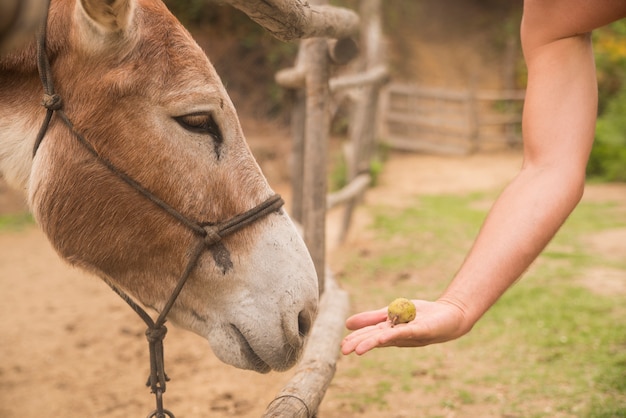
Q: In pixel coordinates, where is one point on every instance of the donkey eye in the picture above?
(201, 123)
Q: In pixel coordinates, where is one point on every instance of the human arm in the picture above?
(558, 128)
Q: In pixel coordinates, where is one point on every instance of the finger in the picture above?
(370, 333)
(384, 335)
(413, 334)
(353, 339)
(360, 344)
(401, 335)
(377, 337)
(365, 319)
(367, 345)
(361, 333)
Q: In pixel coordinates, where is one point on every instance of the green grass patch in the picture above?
(16, 221)
(551, 346)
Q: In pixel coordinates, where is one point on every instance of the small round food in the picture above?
(401, 311)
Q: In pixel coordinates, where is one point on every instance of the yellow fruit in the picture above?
(401, 311)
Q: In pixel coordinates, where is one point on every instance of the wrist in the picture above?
(462, 311)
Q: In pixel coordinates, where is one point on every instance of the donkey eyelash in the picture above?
(202, 123)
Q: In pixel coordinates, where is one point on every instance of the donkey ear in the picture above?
(108, 16)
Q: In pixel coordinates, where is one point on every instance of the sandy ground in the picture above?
(69, 347)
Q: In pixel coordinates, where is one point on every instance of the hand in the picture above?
(435, 322)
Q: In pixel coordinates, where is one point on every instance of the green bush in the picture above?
(608, 156)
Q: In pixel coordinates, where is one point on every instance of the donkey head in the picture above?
(139, 89)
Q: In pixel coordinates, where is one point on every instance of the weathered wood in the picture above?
(450, 124)
(376, 76)
(288, 20)
(298, 120)
(315, 59)
(473, 117)
(291, 78)
(495, 95)
(496, 119)
(453, 94)
(362, 128)
(424, 91)
(509, 76)
(302, 395)
(417, 145)
(449, 121)
(352, 190)
(342, 51)
(294, 78)
(297, 124)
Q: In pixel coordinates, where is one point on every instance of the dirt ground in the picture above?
(69, 347)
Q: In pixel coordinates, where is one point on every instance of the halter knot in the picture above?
(52, 101)
(212, 235)
(155, 335)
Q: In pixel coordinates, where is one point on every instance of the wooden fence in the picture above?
(312, 88)
(446, 121)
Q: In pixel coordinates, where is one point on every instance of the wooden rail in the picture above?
(290, 20)
(352, 190)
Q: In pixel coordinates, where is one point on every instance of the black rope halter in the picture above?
(208, 234)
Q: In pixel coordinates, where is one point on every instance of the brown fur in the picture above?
(91, 217)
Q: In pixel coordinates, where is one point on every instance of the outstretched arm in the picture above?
(558, 128)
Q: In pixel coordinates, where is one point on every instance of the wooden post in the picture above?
(316, 64)
(473, 118)
(301, 396)
(363, 134)
(510, 57)
(294, 80)
(363, 123)
(298, 118)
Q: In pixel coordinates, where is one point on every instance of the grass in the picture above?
(551, 347)
(16, 221)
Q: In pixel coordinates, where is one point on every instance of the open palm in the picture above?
(435, 322)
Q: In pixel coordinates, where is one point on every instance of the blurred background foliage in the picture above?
(608, 157)
(247, 57)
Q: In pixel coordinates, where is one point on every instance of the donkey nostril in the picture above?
(304, 322)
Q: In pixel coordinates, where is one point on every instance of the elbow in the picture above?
(578, 188)
(563, 182)
(574, 193)
(573, 180)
